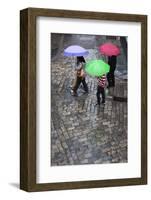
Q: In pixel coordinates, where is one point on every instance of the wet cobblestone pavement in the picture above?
(81, 132)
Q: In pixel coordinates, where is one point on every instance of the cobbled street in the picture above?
(81, 132)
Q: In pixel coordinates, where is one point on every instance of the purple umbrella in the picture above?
(75, 50)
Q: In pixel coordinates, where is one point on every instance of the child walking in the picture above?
(80, 76)
(100, 89)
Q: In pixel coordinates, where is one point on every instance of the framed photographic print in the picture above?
(83, 99)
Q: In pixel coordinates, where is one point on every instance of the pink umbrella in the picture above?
(109, 49)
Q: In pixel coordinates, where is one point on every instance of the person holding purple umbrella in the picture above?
(79, 52)
(80, 76)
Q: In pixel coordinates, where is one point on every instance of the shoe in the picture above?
(103, 102)
(73, 93)
(97, 104)
(71, 87)
(85, 92)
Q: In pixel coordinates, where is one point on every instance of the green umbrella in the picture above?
(97, 68)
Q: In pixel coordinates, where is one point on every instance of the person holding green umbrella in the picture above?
(98, 69)
(100, 89)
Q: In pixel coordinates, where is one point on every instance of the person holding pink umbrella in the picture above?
(110, 75)
(112, 51)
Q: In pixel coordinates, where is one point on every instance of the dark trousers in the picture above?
(78, 82)
(111, 79)
(100, 90)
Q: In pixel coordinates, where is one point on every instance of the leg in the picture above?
(108, 76)
(112, 76)
(113, 80)
(109, 79)
(98, 95)
(74, 83)
(103, 94)
(77, 84)
(85, 85)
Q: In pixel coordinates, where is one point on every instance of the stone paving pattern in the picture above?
(81, 132)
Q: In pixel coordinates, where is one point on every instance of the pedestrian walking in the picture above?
(110, 75)
(80, 76)
(101, 89)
